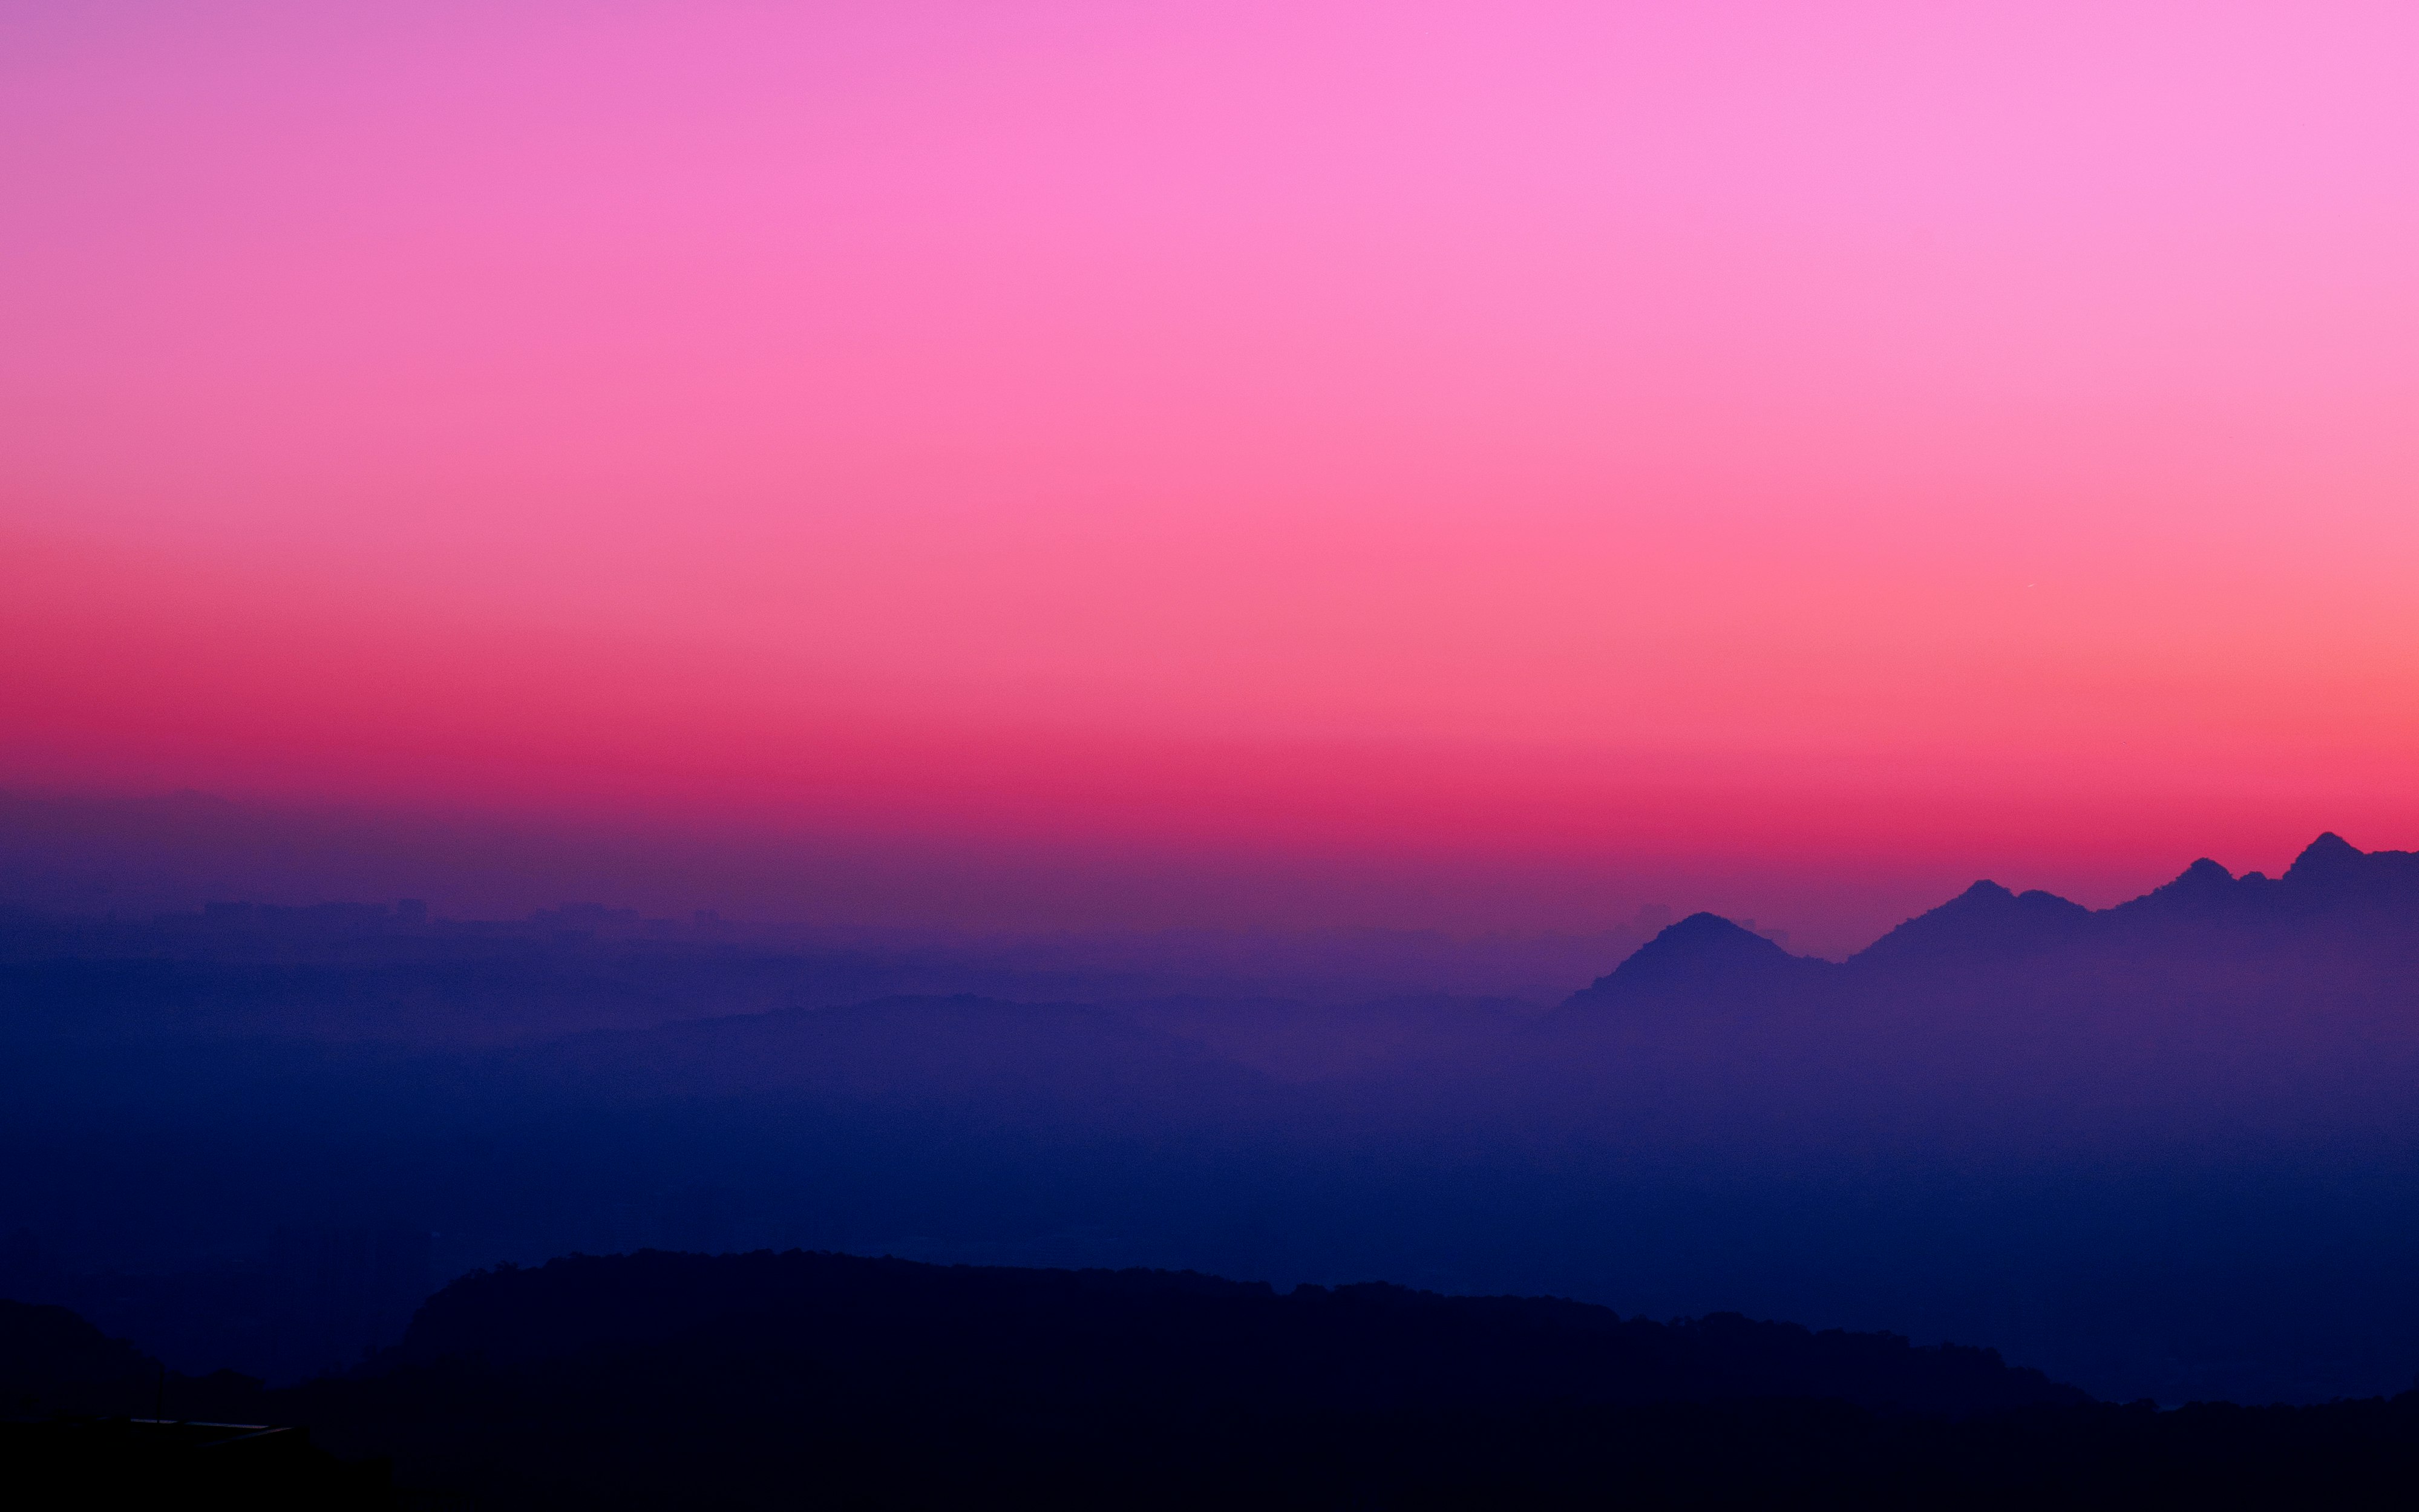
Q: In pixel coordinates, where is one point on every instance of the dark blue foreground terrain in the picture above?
(812, 1380)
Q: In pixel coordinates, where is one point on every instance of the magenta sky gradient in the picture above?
(1858, 440)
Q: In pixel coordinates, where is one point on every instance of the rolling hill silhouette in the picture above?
(1181, 1339)
(764, 1380)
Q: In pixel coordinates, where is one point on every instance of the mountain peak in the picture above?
(1705, 926)
(2326, 858)
(2331, 870)
(1702, 953)
(2203, 882)
(1986, 920)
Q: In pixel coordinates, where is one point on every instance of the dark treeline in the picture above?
(760, 1381)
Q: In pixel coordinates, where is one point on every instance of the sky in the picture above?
(1506, 463)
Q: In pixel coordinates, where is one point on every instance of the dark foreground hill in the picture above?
(812, 1380)
(80, 1428)
(1177, 1342)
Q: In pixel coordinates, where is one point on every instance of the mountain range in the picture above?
(2166, 1149)
(2338, 916)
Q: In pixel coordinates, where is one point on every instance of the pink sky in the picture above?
(1782, 458)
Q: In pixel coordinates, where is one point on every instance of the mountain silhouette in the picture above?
(2163, 1148)
(1703, 957)
(2337, 914)
(2203, 889)
(2332, 872)
(1986, 924)
(2330, 875)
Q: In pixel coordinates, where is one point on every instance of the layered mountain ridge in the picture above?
(2331, 890)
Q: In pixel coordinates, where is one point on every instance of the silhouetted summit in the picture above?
(2331, 880)
(2330, 873)
(2336, 913)
(2329, 860)
(1703, 955)
(2332, 869)
(2201, 888)
(1985, 924)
